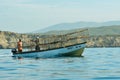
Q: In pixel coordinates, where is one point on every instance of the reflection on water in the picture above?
(97, 63)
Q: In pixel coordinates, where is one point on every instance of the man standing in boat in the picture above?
(19, 45)
(37, 47)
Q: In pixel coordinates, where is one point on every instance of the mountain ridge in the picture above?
(77, 25)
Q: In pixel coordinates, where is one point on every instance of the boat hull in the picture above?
(72, 51)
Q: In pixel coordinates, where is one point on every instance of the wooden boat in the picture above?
(72, 49)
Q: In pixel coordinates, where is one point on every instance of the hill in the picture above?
(93, 31)
(105, 30)
(9, 39)
(77, 25)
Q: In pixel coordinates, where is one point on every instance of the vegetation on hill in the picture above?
(104, 41)
(94, 31)
(105, 30)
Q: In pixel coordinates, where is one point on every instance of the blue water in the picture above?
(97, 63)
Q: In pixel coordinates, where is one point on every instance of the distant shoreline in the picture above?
(8, 40)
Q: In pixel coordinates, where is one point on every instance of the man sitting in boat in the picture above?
(37, 47)
(19, 45)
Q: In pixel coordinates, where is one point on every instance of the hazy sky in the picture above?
(30, 15)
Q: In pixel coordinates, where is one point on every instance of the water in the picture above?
(97, 63)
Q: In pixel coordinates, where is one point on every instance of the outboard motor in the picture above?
(14, 50)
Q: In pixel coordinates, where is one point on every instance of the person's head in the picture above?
(20, 40)
(37, 37)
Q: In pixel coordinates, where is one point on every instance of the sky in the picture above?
(30, 15)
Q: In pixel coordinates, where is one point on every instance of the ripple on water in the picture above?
(97, 63)
(107, 78)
